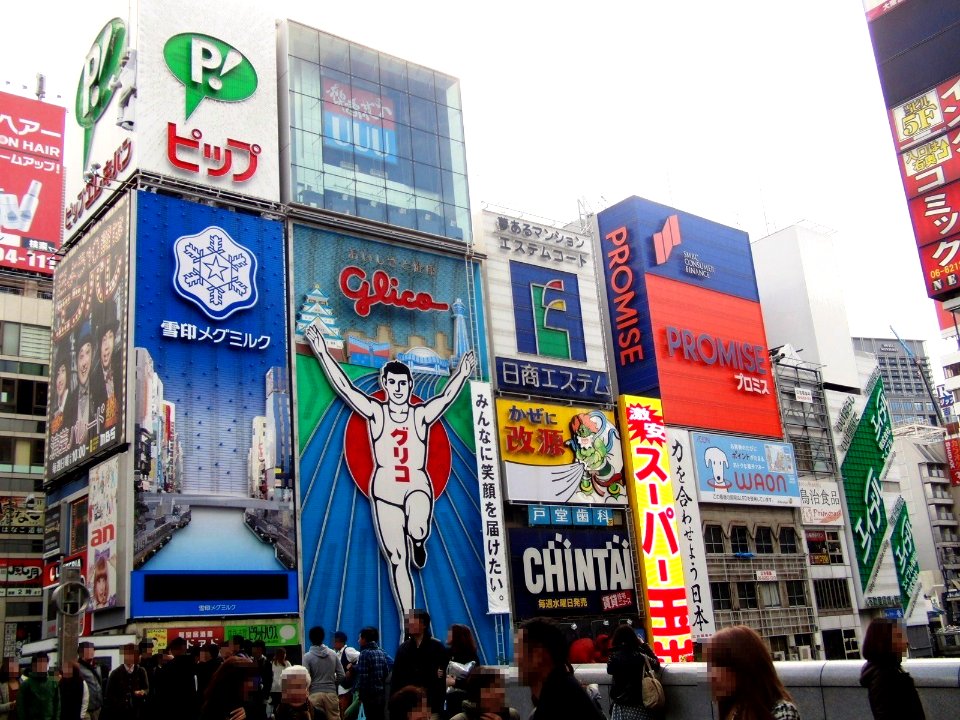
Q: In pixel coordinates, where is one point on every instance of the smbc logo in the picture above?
(209, 67)
(97, 81)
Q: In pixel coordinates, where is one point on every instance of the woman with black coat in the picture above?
(629, 658)
(890, 688)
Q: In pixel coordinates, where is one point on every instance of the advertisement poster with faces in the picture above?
(102, 534)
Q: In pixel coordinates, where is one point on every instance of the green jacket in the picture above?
(39, 698)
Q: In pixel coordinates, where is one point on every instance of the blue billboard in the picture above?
(390, 502)
(214, 502)
(733, 469)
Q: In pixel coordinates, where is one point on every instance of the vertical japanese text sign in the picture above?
(862, 471)
(687, 509)
(904, 555)
(651, 497)
(491, 501)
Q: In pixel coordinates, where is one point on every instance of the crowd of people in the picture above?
(424, 680)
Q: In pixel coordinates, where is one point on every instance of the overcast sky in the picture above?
(751, 113)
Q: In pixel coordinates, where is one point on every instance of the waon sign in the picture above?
(685, 318)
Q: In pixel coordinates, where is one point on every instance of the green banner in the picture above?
(904, 555)
(862, 469)
(272, 634)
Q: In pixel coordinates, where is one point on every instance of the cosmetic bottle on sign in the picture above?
(9, 211)
(28, 206)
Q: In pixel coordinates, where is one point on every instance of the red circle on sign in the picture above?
(358, 451)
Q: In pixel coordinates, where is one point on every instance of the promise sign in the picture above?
(862, 470)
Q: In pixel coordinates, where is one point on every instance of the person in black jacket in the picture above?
(890, 688)
(127, 688)
(541, 656)
(175, 685)
(421, 661)
(629, 658)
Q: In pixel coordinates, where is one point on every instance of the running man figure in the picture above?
(401, 496)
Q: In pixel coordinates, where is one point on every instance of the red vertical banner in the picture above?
(952, 446)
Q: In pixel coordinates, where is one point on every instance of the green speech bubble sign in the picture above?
(100, 67)
(209, 67)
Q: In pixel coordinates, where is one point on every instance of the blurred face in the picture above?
(338, 643)
(449, 637)
(106, 348)
(257, 651)
(250, 686)
(493, 699)
(13, 669)
(101, 591)
(88, 653)
(41, 665)
(129, 658)
(294, 690)
(84, 358)
(414, 626)
(898, 640)
(723, 682)
(421, 712)
(525, 657)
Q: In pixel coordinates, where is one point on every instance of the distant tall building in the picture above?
(910, 402)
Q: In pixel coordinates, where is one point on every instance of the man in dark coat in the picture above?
(421, 661)
(541, 654)
(174, 691)
(127, 688)
(92, 676)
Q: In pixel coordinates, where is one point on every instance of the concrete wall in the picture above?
(823, 690)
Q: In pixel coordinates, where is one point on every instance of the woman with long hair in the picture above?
(890, 688)
(629, 659)
(9, 687)
(486, 697)
(461, 658)
(743, 680)
(279, 663)
(230, 690)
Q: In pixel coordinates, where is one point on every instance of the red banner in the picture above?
(941, 267)
(31, 168)
(936, 214)
(952, 446)
(21, 577)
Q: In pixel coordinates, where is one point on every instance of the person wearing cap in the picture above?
(106, 378)
(85, 407)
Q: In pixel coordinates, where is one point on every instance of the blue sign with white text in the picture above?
(739, 470)
(214, 505)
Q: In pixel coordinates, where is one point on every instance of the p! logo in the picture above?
(95, 89)
(546, 310)
(209, 67)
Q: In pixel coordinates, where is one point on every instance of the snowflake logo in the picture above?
(215, 272)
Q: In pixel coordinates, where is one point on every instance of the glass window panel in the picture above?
(452, 222)
(305, 77)
(343, 167)
(770, 594)
(370, 164)
(721, 595)
(308, 186)
(427, 180)
(393, 72)
(451, 123)
(307, 149)
(396, 105)
(453, 156)
(455, 189)
(420, 81)
(304, 42)
(305, 112)
(364, 63)
(426, 148)
(713, 539)
(334, 53)
(739, 540)
(423, 115)
(400, 171)
(404, 141)
(11, 339)
(788, 541)
(448, 90)
(401, 209)
(764, 540)
(747, 593)
(371, 202)
(337, 124)
(339, 194)
(429, 215)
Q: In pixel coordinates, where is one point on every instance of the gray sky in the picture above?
(752, 113)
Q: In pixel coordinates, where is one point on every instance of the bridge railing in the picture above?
(823, 690)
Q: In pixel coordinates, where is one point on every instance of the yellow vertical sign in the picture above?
(650, 490)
